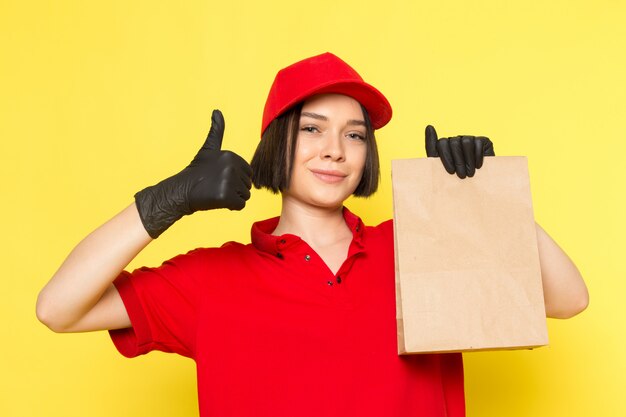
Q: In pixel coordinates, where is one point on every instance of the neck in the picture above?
(319, 226)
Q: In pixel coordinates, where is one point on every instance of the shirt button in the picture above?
(338, 280)
(280, 255)
(307, 258)
(330, 283)
(283, 241)
(357, 228)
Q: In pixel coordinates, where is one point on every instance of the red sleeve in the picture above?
(453, 383)
(162, 304)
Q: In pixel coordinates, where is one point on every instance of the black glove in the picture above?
(214, 179)
(460, 154)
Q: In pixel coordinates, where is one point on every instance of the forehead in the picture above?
(330, 105)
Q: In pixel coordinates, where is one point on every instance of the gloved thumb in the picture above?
(213, 140)
(431, 142)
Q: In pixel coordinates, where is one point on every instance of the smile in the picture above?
(329, 177)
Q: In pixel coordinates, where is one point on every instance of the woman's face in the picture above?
(330, 151)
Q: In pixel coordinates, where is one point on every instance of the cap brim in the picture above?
(377, 106)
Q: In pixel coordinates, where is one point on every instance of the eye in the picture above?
(309, 129)
(356, 136)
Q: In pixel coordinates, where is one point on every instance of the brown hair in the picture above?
(273, 158)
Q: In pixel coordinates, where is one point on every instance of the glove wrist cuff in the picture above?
(157, 213)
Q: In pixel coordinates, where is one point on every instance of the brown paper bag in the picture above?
(467, 264)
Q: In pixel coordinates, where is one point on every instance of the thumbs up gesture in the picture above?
(214, 179)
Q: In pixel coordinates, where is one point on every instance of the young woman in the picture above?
(302, 320)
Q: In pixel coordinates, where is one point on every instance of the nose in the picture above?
(333, 147)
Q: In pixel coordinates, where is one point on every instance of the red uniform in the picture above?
(275, 333)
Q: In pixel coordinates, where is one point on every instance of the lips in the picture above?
(329, 176)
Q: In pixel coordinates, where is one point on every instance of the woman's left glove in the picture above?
(462, 155)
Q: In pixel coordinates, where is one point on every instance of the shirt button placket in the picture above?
(279, 254)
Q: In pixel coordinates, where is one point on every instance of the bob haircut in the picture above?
(273, 158)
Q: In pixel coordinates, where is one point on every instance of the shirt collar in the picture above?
(262, 238)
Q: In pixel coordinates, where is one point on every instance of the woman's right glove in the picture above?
(214, 179)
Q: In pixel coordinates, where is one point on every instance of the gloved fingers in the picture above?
(247, 180)
(237, 203)
(443, 149)
(239, 185)
(479, 145)
(236, 196)
(231, 193)
(431, 142)
(462, 155)
(482, 147)
(213, 140)
(457, 156)
(245, 174)
(244, 169)
(467, 144)
(244, 192)
(488, 148)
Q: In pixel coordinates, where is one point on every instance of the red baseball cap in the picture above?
(324, 73)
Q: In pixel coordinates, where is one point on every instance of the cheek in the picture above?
(360, 158)
(305, 150)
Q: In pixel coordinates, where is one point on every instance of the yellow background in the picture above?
(99, 99)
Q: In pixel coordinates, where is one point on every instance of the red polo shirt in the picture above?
(275, 333)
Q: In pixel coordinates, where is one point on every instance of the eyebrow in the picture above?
(353, 122)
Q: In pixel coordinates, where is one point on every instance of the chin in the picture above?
(327, 204)
(328, 201)
(322, 195)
